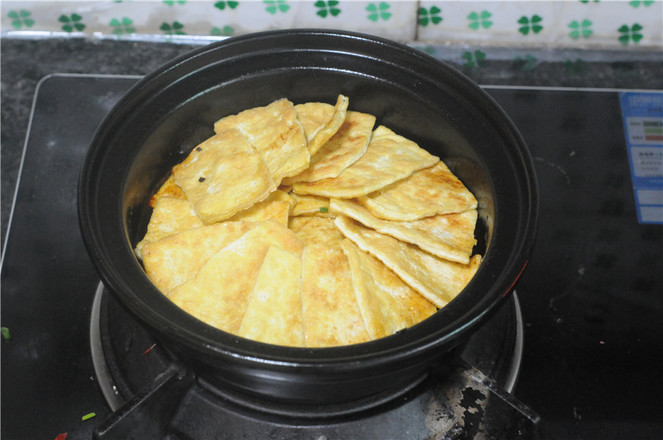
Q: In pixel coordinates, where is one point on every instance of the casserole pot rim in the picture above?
(415, 342)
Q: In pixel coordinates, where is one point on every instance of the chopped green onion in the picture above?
(324, 209)
(5, 333)
(88, 416)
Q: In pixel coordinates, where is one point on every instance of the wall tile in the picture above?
(581, 24)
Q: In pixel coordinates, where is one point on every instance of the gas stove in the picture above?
(76, 365)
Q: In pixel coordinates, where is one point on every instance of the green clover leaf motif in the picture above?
(629, 34)
(21, 19)
(480, 20)
(173, 2)
(637, 3)
(222, 5)
(528, 24)
(71, 23)
(379, 11)
(122, 26)
(429, 16)
(274, 6)
(327, 8)
(174, 28)
(580, 29)
(226, 31)
(474, 60)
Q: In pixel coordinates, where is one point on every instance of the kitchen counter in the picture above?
(26, 61)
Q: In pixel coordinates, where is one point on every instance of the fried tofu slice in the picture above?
(170, 215)
(219, 293)
(274, 311)
(347, 145)
(449, 236)
(167, 189)
(276, 134)
(222, 176)
(277, 207)
(316, 230)
(330, 309)
(438, 280)
(387, 304)
(388, 158)
(306, 205)
(321, 120)
(431, 191)
(177, 258)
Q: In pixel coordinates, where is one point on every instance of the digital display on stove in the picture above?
(642, 114)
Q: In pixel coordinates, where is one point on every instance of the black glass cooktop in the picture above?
(591, 296)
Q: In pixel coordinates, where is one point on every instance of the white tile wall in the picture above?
(583, 24)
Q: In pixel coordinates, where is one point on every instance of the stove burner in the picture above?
(153, 395)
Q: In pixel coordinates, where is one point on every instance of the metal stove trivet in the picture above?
(154, 395)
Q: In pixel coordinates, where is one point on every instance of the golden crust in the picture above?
(347, 145)
(361, 248)
(219, 292)
(431, 191)
(448, 236)
(330, 309)
(170, 215)
(270, 209)
(274, 311)
(321, 120)
(310, 205)
(316, 230)
(175, 259)
(222, 176)
(386, 303)
(168, 189)
(436, 279)
(276, 133)
(388, 158)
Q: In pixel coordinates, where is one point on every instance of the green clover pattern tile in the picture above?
(327, 8)
(638, 3)
(225, 31)
(429, 16)
(21, 19)
(580, 29)
(530, 24)
(276, 6)
(630, 34)
(377, 12)
(174, 28)
(122, 26)
(623, 24)
(474, 60)
(71, 23)
(480, 20)
(223, 4)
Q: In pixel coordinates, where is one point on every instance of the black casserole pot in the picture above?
(168, 112)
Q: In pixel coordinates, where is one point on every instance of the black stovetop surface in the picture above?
(591, 296)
